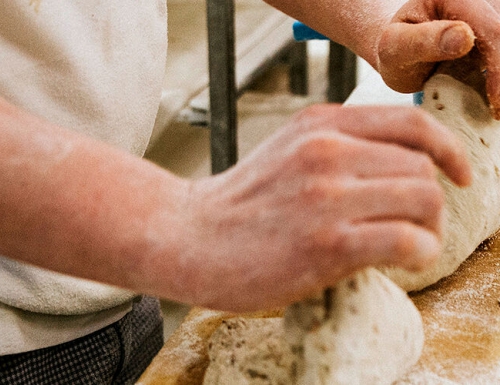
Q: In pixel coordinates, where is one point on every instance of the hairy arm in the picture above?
(406, 40)
(298, 210)
(357, 24)
(76, 205)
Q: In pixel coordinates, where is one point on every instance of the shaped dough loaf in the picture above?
(364, 331)
(366, 322)
(348, 356)
(247, 351)
(472, 213)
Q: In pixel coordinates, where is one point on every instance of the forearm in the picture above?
(356, 24)
(235, 241)
(78, 206)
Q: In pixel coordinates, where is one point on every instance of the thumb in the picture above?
(408, 52)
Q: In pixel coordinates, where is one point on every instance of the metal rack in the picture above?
(222, 80)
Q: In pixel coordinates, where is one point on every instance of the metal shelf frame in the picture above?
(223, 92)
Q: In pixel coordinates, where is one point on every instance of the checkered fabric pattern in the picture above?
(117, 354)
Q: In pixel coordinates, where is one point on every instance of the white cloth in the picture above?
(97, 67)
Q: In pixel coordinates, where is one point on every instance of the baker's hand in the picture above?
(425, 32)
(336, 190)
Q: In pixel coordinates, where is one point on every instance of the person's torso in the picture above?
(93, 66)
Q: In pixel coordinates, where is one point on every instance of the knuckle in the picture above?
(318, 240)
(315, 117)
(326, 242)
(421, 120)
(426, 130)
(304, 117)
(389, 44)
(425, 166)
(313, 191)
(317, 154)
(320, 192)
(345, 245)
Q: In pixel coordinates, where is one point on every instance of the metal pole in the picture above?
(222, 83)
(341, 73)
(297, 57)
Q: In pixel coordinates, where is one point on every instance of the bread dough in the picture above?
(247, 351)
(364, 331)
(381, 336)
(472, 213)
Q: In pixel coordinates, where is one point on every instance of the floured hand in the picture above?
(426, 32)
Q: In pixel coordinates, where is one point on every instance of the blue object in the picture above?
(302, 32)
(418, 98)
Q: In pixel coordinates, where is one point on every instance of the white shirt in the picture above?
(97, 67)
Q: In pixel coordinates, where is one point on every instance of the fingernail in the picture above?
(455, 41)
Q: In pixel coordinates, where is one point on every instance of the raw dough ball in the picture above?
(366, 330)
(472, 213)
(247, 351)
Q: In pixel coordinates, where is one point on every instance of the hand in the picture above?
(336, 190)
(425, 32)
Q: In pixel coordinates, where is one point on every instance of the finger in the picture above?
(420, 131)
(431, 41)
(378, 160)
(493, 83)
(484, 20)
(389, 243)
(413, 200)
(417, 47)
(331, 153)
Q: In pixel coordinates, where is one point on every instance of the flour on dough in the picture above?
(472, 213)
(364, 331)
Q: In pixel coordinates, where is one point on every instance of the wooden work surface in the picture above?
(461, 316)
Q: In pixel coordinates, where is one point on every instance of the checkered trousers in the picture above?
(117, 354)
